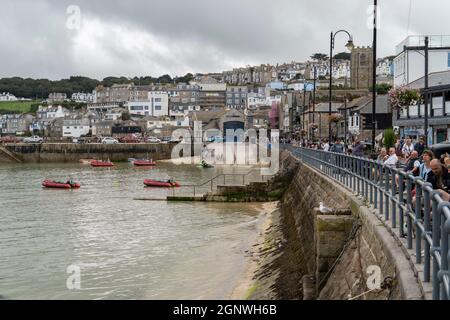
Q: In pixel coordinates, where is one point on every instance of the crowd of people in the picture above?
(407, 154)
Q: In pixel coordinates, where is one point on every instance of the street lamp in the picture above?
(350, 45)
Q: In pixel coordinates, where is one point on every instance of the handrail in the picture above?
(389, 190)
(211, 181)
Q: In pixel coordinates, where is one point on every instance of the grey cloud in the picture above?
(194, 35)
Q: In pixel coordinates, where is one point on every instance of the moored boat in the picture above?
(60, 185)
(97, 163)
(144, 163)
(161, 184)
(86, 161)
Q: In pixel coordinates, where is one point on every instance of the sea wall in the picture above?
(70, 152)
(308, 254)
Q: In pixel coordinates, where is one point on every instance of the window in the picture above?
(414, 111)
(158, 108)
(447, 103)
(438, 108)
(157, 99)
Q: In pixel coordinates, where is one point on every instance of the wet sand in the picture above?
(246, 283)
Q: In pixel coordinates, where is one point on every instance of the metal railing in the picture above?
(390, 191)
(211, 184)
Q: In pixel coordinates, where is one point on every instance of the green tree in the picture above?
(343, 56)
(383, 88)
(389, 138)
(126, 116)
(319, 57)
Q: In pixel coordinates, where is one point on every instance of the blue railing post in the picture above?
(386, 194)
(393, 196)
(418, 210)
(436, 244)
(427, 189)
(400, 207)
(408, 211)
(445, 226)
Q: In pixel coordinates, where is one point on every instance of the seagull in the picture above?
(324, 209)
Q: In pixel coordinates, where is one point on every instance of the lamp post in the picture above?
(314, 100)
(349, 46)
(374, 74)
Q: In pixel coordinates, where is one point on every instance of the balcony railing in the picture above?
(421, 222)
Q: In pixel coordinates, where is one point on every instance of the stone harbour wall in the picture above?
(70, 152)
(312, 255)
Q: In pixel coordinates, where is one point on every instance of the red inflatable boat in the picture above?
(60, 185)
(96, 163)
(144, 163)
(161, 184)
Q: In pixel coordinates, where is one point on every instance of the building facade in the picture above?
(409, 65)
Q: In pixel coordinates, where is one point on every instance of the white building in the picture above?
(83, 97)
(75, 128)
(51, 112)
(255, 100)
(114, 114)
(156, 106)
(7, 97)
(409, 65)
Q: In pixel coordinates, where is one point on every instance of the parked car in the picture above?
(153, 140)
(33, 139)
(80, 140)
(110, 141)
(10, 139)
(129, 139)
(441, 149)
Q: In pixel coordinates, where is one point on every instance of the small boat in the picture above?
(131, 160)
(60, 185)
(86, 161)
(97, 163)
(161, 184)
(205, 165)
(144, 163)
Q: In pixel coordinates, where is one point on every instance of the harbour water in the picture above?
(123, 248)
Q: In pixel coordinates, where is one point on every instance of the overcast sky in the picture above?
(155, 37)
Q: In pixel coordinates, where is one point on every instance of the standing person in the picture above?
(399, 147)
(425, 167)
(338, 147)
(413, 164)
(391, 160)
(326, 146)
(420, 146)
(383, 155)
(407, 148)
(358, 148)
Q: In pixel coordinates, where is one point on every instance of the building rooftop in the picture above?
(434, 80)
(436, 41)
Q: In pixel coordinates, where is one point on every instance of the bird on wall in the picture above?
(324, 209)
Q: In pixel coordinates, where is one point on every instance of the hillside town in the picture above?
(290, 97)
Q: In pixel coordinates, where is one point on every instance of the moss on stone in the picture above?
(251, 291)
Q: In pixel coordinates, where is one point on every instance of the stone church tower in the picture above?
(361, 67)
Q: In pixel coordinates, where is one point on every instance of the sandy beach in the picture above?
(245, 284)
